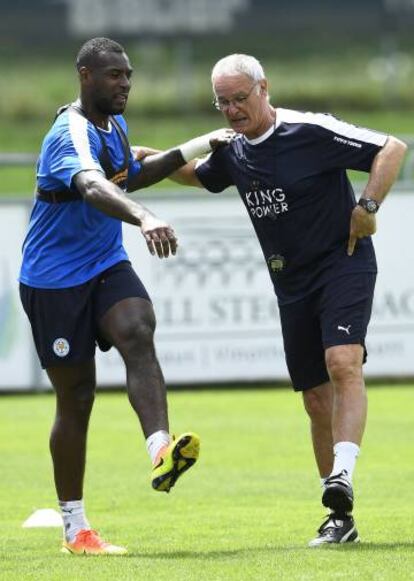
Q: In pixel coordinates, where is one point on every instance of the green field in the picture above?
(246, 511)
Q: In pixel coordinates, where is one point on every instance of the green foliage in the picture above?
(245, 511)
(26, 136)
(174, 77)
(160, 132)
(170, 100)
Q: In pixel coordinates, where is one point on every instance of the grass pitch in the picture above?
(246, 511)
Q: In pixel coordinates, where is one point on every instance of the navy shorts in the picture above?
(65, 321)
(336, 314)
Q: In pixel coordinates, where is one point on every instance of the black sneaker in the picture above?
(337, 529)
(338, 494)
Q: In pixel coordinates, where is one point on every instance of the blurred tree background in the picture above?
(354, 59)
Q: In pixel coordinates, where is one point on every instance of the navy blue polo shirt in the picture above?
(293, 183)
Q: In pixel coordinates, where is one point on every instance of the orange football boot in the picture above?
(88, 542)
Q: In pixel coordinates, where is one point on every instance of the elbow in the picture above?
(91, 191)
(401, 150)
(397, 145)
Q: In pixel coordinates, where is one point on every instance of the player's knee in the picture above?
(76, 401)
(317, 405)
(344, 362)
(137, 336)
(85, 398)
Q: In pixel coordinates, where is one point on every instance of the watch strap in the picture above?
(369, 205)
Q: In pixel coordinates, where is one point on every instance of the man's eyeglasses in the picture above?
(222, 104)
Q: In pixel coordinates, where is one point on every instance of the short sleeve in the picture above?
(341, 145)
(71, 146)
(134, 166)
(213, 173)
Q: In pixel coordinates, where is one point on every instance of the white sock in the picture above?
(323, 482)
(155, 442)
(74, 519)
(346, 454)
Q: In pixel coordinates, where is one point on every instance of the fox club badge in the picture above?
(276, 263)
(61, 347)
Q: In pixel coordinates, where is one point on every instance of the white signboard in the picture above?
(217, 314)
(16, 351)
(390, 339)
(216, 310)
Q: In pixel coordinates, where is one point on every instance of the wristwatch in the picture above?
(371, 206)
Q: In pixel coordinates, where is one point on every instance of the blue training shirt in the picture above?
(69, 243)
(294, 186)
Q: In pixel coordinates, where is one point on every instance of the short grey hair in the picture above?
(238, 64)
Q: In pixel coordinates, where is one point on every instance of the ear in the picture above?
(263, 86)
(84, 74)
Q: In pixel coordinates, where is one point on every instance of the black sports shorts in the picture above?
(336, 314)
(65, 321)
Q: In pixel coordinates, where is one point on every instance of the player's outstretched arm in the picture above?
(185, 175)
(384, 172)
(110, 199)
(158, 166)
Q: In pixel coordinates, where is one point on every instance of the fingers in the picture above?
(362, 225)
(172, 240)
(225, 134)
(140, 154)
(167, 243)
(221, 137)
(228, 134)
(161, 241)
(150, 242)
(351, 244)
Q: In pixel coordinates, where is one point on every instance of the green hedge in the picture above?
(175, 78)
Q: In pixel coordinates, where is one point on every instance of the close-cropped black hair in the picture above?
(89, 51)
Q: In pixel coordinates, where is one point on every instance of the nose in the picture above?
(232, 107)
(125, 82)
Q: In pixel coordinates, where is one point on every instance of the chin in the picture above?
(110, 108)
(118, 109)
(238, 128)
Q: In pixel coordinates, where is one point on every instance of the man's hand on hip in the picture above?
(362, 224)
